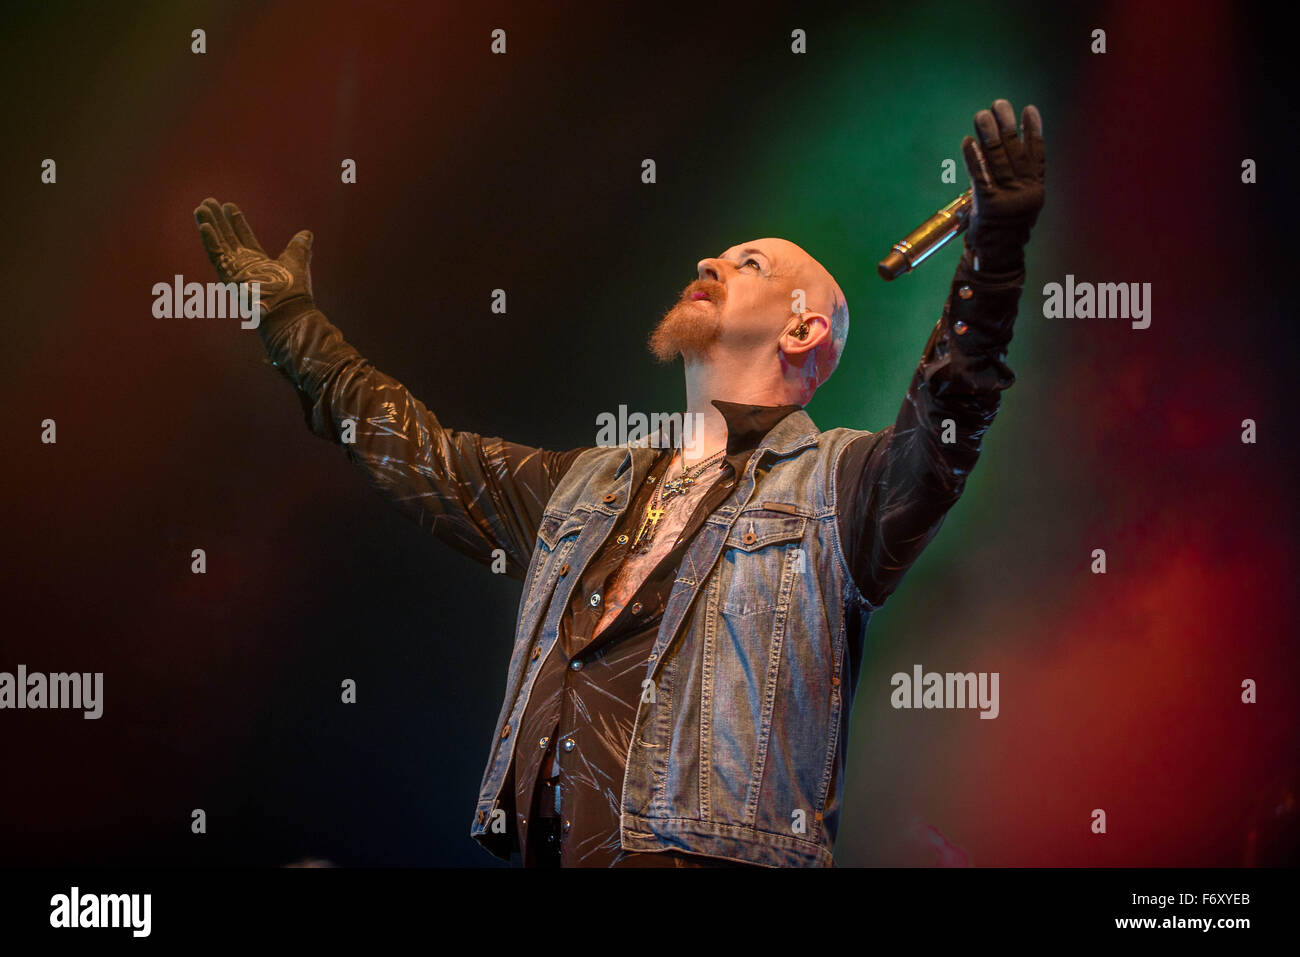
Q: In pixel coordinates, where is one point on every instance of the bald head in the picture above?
(822, 295)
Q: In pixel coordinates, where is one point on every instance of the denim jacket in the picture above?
(740, 752)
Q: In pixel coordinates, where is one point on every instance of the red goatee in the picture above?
(693, 324)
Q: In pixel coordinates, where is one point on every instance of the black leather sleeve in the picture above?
(895, 486)
(477, 494)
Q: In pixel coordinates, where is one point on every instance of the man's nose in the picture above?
(710, 269)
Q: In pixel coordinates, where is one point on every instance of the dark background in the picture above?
(523, 172)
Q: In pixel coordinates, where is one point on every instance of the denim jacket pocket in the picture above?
(556, 536)
(761, 549)
(555, 527)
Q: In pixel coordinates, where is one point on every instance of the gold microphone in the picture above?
(910, 251)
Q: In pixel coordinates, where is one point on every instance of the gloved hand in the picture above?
(1007, 185)
(239, 257)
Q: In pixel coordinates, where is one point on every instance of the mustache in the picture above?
(712, 290)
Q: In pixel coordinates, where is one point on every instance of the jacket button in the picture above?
(609, 498)
(622, 539)
(568, 825)
(570, 744)
(576, 664)
(594, 600)
(505, 732)
(543, 742)
(636, 607)
(564, 569)
(749, 538)
(965, 292)
(960, 327)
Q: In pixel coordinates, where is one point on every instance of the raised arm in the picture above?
(477, 494)
(896, 486)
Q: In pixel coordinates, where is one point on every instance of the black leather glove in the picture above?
(1007, 183)
(239, 257)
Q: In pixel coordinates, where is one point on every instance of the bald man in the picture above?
(691, 626)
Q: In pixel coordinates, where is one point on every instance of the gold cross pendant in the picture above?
(647, 530)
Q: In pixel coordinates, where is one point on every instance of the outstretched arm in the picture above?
(477, 494)
(897, 485)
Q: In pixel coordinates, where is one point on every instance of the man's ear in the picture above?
(819, 330)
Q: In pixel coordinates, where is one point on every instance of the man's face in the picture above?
(742, 301)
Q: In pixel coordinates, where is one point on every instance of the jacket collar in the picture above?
(748, 425)
(796, 431)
